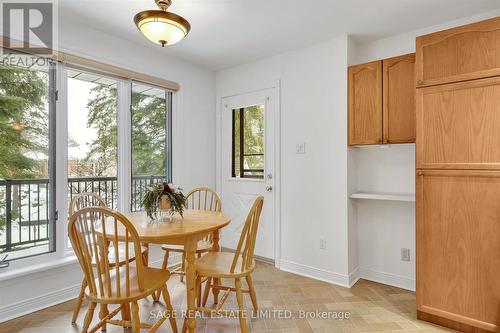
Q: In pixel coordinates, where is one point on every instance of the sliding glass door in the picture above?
(151, 139)
(92, 135)
(27, 161)
(97, 117)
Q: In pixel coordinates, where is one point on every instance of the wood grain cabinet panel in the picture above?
(463, 53)
(365, 104)
(399, 99)
(458, 246)
(458, 125)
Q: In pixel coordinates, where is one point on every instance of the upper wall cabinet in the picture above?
(458, 125)
(365, 104)
(441, 57)
(382, 101)
(399, 99)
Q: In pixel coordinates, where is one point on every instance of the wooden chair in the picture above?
(83, 200)
(92, 230)
(200, 199)
(225, 265)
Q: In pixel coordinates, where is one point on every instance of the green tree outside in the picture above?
(23, 127)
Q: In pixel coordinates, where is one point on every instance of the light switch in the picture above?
(300, 148)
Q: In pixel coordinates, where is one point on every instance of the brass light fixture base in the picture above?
(163, 4)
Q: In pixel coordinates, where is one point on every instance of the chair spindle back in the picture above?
(92, 230)
(85, 199)
(203, 198)
(246, 244)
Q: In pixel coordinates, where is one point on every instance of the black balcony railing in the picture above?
(24, 207)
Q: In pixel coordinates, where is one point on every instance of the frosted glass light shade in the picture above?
(162, 27)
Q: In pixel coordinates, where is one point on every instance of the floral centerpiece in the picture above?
(163, 197)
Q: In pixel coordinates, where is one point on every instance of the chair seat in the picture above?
(122, 253)
(203, 246)
(219, 264)
(154, 279)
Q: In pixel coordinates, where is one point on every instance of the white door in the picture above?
(247, 166)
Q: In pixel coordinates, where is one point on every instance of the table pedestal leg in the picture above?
(190, 249)
(216, 248)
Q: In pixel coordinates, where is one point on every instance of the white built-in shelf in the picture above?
(408, 197)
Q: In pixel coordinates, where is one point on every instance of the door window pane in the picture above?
(248, 142)
(26, 167)
(92, 135)
(151, 139)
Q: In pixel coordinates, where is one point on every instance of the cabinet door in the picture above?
(463, 53)
(458, 246)
(458, 125)
(399, 99)
(365, 104)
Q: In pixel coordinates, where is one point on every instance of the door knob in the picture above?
(269, 188)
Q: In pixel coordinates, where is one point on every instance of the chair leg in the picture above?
(136, 321)
(215, 291)
(156, 295)
(125, 312)
(103, 313)
(184, 326)
(183, 266)
(206, 291)
(198, 290)
(88, 317)
(253, 296)
(79, 301)
(241, 306)
(170, 310)
(165, 259)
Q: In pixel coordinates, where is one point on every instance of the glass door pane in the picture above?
(248, 142)
(151, 158)
(92, 135)
(27, 134)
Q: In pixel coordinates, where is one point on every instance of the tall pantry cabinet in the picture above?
(458, 177)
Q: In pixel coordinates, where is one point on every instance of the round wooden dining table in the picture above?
(186, 231)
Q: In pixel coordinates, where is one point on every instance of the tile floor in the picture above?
(367, 307)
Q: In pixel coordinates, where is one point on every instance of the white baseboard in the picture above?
(387, 278)
(349, 281)
(315, 273)
(31, 305)
(354, 277)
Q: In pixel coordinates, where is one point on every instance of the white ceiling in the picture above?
(226, 33)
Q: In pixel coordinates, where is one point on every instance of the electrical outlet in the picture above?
(405, 254)
(300, 148)
(322, 243)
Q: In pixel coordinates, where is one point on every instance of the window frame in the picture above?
(242, 155)
(52, 212)
(61, 245)
(169, 96)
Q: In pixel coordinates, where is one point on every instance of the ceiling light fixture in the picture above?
(160, 26)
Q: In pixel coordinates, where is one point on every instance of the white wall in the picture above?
(194, 151)
(405, 42)
(313, 83)
(384, 227)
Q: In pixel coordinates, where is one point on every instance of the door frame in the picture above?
(220, 95)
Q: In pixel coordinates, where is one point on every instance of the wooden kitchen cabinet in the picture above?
(382, 101)
(458, 125)
(399, 99)
(458, 247)
(365, 104)
(464, 53)
(458, 177)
